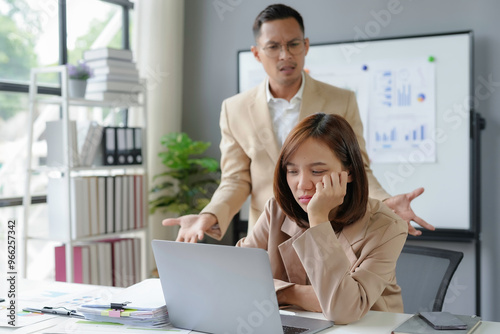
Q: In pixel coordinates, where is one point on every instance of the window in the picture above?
(39, 33)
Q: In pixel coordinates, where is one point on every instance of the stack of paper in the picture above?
(115, 75)
(145, 306)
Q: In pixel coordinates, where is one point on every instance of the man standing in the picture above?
(255, 123)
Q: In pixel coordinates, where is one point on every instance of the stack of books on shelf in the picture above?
(99, 205)
(115, 76)
(111, 262)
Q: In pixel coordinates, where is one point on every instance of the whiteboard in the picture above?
(446, 177)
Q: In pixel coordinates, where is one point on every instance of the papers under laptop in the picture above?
(223, 290)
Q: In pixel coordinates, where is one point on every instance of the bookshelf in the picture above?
(67, 173)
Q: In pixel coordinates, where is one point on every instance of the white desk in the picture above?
(373, 323)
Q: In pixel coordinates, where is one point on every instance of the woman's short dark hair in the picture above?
(276, 12)
(336, 133)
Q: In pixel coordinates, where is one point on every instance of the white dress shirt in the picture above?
(284, 114)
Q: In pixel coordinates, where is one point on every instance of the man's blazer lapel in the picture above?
(312, 101)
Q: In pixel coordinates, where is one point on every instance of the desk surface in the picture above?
(373, 323)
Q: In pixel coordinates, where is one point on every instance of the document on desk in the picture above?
(141, 304)
(85, 326)
(54, 295)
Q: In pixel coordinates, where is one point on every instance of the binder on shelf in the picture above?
(131, 202)
(101, 203)
(105, 264)
(94, 262)
(118, 200)
(80, 216)
(115, 258)
(89, 138)
(125, 203)
(79, 206)
(138, 201)
(81, 264)
(137, 151)
(55, 140)
(109, 146)
(121, 146)
(130, 145)
(137, 259)
(93, 205)
(127, 262)
(110, 204)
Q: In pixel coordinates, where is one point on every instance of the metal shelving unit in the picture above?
(67, 172)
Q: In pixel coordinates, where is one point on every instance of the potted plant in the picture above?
(78, 75)
(190, 180)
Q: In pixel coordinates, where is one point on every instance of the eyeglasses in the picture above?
(295, 47)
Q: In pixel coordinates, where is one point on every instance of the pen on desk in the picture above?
(55, 311)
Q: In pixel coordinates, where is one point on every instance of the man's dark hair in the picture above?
(276, 12)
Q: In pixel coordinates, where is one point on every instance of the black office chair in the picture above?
(240, 228)
(424, 274)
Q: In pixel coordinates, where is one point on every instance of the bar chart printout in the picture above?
(401, 115)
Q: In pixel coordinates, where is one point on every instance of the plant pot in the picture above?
(77, 88)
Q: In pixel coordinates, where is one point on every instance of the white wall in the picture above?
(216, 29)
(159, 60)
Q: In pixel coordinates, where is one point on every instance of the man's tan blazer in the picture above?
(352, 271)
(249, 148)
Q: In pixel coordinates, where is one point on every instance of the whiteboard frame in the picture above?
(463, 232)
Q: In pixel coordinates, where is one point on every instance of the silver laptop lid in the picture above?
(217, 289)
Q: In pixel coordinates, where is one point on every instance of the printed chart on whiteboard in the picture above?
(401, 110)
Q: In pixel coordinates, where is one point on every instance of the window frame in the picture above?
(10, 87)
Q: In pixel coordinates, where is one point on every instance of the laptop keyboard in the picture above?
(293, 330)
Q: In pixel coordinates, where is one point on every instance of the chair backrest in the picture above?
(424, 274)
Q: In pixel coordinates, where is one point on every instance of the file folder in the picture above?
(137, 152)
(109, 146)
(129, 152)
(121, 146)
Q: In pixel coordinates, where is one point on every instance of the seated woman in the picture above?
(332, 249)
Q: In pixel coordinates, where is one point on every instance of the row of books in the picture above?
(99, 205)
(94, 145)
(110, 262)
(115, 74)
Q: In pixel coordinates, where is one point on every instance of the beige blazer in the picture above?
(352, 271)
(249, 148)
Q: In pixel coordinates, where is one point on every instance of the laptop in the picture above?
(223, 290)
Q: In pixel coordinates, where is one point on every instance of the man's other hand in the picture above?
(400, 204)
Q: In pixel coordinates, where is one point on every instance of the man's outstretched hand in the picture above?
(193, 227)
(400, 204)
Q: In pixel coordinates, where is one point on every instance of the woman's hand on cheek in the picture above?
(329, 194)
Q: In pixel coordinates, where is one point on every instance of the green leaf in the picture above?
(190, 180)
